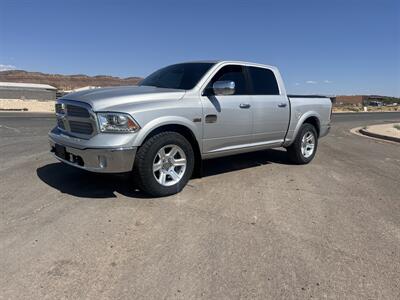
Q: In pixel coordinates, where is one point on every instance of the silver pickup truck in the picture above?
(184, 113)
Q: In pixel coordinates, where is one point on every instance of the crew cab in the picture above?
(182, 114)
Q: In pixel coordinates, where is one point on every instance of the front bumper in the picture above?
(100, 160)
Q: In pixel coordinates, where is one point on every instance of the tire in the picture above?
(297, 151)
(157, 154)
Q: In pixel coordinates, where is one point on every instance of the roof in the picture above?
(27, 85)
(238, 62)
(211, 61)
(247, 63)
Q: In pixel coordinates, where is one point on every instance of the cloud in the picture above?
(328, 81)
(7, 67)
(311, 82)
(297, 83)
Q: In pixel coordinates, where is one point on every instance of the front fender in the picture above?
(162, 121)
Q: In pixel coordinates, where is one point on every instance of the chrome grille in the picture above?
(77, 111)
(75, 118)
(81, 127)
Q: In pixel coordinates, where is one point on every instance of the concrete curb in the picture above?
(363, 112)
(356, 131)
(379, 136)
(13, 109)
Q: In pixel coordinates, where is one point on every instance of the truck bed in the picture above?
(304, 106)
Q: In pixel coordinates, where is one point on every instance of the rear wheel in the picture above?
(164, 164)
(304, 147)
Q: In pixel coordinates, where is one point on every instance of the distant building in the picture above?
(84, 88)
(375, 103)
(356, 100)
(62, 93)
(27, 91)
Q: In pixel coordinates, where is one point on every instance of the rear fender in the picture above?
(299, 119)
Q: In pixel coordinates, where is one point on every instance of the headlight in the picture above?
(60, 108)
(117, 122)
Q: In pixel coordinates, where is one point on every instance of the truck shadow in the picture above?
(243, 161)
(80, 183)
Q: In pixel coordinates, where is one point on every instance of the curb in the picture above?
(13, 109)
(364, 112)
(379, 136)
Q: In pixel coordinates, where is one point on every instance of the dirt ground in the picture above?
(253, 227)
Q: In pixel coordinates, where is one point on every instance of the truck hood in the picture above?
(103, 98)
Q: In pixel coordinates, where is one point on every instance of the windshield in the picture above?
(180, 76)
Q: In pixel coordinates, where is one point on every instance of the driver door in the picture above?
(227, 118)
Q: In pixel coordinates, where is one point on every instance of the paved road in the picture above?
(253, 227)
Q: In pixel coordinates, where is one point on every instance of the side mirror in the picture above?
(224, 87)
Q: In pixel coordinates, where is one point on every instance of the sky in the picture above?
(321, 47)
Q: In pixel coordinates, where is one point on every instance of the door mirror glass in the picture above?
(224, 87)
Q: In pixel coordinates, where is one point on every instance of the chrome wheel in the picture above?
(169, 165)
(308, 144)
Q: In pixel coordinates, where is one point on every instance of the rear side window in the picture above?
(263, 81)
(232, 73)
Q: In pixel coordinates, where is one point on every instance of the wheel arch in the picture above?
(182, 129)
(312, 118)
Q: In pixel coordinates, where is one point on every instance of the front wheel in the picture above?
(164, 164)
(304, 147)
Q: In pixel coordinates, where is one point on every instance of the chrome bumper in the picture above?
(109, 160)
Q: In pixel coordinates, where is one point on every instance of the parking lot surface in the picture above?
(254, 226)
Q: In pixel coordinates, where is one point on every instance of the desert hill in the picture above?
(65, 82)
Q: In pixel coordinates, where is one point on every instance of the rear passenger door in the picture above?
(270, 109)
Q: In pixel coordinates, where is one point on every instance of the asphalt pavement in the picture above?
(254, 227)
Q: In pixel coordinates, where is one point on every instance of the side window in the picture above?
(263, 81)
(232, 73)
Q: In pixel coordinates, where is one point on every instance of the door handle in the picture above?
(282, 105)
(211, 118)
(244, 105)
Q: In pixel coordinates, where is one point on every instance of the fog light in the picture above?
(102, 161)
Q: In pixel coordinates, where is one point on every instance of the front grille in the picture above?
(75, 119)
(77, 111)
(81, 127)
